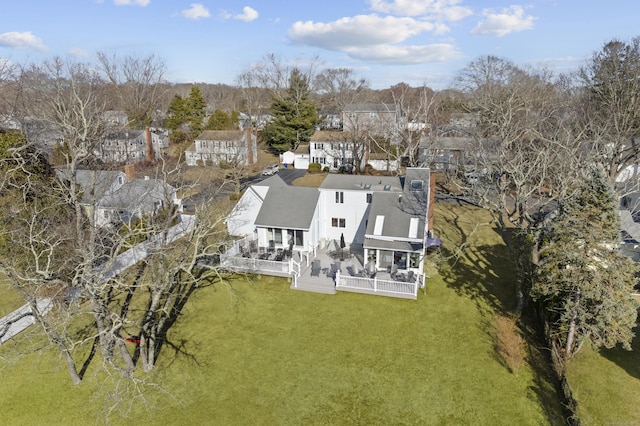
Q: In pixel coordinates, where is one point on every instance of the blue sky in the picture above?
(386, 41)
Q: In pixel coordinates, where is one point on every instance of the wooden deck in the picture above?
(330, 275)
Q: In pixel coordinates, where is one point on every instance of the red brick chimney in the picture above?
(130, 171)
(151, 156)
(432, 200)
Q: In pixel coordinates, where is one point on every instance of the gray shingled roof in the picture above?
(289, 207)
(397, 210)
(95, 184)
(137, 192)
(359, 182)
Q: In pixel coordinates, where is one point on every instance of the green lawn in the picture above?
(606, 385)
(264, 354)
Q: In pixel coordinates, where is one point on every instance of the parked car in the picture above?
(270, 170)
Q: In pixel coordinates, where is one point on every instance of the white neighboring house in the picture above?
(331, 149)
(110, 197)
(214, 147)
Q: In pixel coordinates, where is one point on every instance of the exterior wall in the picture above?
(241, 220)
(384, 165)
(241, 151)
(353, 210)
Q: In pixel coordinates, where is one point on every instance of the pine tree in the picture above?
(583, 282)
(219, 120)
(295, 115)
(196, 110)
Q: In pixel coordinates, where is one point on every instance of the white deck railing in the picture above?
(379, 286)
(256, 266)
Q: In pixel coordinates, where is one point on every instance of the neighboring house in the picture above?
(331, 149)
(133, 146)
(387, 216)
(455, 153)
(298, 158)
(111, 196)
(115, 119)
(376, 119)
(215, 147)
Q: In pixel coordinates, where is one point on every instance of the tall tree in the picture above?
(295, 115)
(610, 105)
(583, 282)
(138, 82)
(196, 108)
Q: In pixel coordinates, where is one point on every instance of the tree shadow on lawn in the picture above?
(627, 360)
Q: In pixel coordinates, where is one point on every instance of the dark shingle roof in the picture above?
(289, 207)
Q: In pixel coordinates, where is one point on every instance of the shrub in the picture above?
(342, 169)
(368, 169)
(510, 345)
(326, 169)
(234, 196)
(315, 168)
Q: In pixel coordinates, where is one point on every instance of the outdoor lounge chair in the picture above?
(315, 268)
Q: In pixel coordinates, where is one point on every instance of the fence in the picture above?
(376, 285)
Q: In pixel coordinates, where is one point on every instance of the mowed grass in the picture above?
(256, 352)
(606, 384)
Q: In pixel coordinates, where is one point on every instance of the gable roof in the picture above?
(291, 207)
(329, 136)
(371, 107)
(220, 135)
(136, 192)
(95, 184)
(361, 183)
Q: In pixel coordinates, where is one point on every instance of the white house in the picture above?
(235, 147)
(388, 217)
(241, 220)
(299, 158)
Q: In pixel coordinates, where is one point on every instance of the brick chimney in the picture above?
(151, 156)
(130, 171)
(432, 200)
(249, 142)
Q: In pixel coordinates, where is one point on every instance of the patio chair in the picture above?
(394, 271)
(411, 277)
(315, 268)
(272, 245)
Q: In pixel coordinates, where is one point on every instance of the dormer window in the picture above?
(417, 185)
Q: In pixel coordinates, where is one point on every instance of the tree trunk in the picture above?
(572, 325)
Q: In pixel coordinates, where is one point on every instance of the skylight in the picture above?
(416, 185)
(413, 227)
(367, 186)
(377, 229)
(387, 187)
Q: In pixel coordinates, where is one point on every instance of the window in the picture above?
(299, 238)
(416, 185)
(339, 197)
(369, 198)
(338, 222)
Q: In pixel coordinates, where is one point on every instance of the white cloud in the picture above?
(131, 2)
(404, 55)
(359, 31)
(248, 14)
(196, 11)
(22, 40)
(509, 20)
(447, 10)
(78, 53)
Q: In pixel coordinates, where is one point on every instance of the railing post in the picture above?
(375, 284)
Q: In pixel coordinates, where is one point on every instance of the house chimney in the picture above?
(432, 200)
(130, 171)
(249, 142)
(151, 156)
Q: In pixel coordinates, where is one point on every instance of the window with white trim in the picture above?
(337, 222)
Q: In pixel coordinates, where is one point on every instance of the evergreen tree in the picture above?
(177, 113)
(196, 109)
(295, 116)
(583, 282)
(219, 120)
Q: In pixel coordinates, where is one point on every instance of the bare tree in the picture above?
(138, 82)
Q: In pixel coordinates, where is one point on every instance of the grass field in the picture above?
(257, 352)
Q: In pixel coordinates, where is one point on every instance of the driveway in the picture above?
(289, 175)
